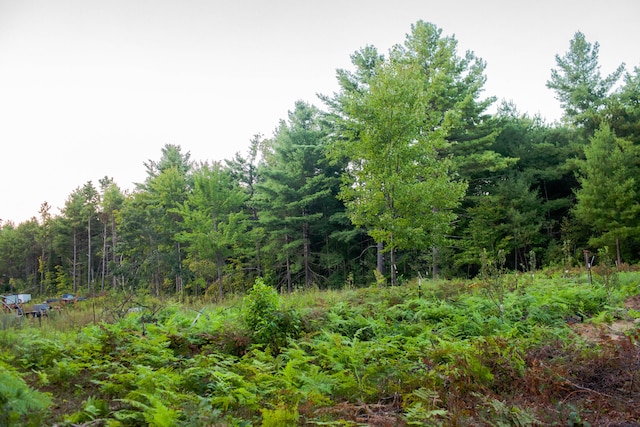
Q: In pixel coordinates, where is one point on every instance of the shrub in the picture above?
(268, 323)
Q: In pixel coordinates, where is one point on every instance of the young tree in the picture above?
(214, 222)
(151, 221)
(608, 200)
(401, 185)
(45, 241)
(244, 172)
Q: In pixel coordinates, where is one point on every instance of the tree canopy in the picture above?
(404, 170)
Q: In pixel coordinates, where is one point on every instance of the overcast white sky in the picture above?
(91, 88)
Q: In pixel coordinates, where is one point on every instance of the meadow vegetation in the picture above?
(503, 350)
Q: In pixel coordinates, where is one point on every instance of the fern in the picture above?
(279, 417)
(19, 404)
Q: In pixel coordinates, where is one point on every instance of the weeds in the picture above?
(375, 356)
(493, 277)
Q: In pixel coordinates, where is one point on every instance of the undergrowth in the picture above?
(448, 354)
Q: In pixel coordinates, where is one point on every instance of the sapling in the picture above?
(493, 278)
(608, 271)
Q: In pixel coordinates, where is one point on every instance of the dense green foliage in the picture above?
(405, 172)
(427, 353)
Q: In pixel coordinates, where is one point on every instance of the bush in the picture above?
(268, 323)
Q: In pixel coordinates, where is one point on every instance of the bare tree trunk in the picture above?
(104, 255)
(306, 253)
(179, 275)
(289, 281)
(380, 258)
(113, 251)
(219, 268)
(618, 256)
(89, 256)
(434, 267)
(392, 260)
(41, 267)
(75, 261)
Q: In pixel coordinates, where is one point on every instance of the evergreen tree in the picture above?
(244, 171)
(215, 225)
(579, 87)
(608, 200)
(623, 112)
(111, 202)
(151, 221)
(297, 196)
(75, 235)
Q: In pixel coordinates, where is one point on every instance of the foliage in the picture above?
(19, 404)
(269, 324)
(607, 200)
(400, 187)
(419, 163)
(578, 84)
(493, 275)
(279, 416)
(493, 200)
(372, 355)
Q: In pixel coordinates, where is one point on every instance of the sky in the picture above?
(94, 88)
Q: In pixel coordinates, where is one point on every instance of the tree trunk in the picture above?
(113, 251)
(306, 253)
(89, 256)
(618, 256)
(179, 275)
(380, 258)
(392, 260)
(104, 255)
(41, 267)
(434, 266)
(219, 270)
(289, 282)
(75, 261)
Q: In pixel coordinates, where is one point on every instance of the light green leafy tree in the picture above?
(214, 223)
(401, 186)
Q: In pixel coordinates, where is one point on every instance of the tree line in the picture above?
(402, 171)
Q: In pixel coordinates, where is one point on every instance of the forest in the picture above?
(398, 256)
(402, 172)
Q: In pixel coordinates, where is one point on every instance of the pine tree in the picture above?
(607, 200)
(297, 196)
